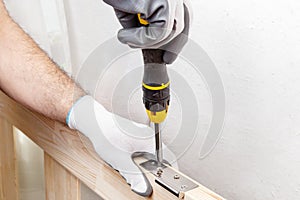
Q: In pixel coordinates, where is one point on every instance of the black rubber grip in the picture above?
(153, 56)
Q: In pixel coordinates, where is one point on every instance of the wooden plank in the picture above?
(8, 173)
(60, 184)
(196, 193)
(202, 191)
(75, 153)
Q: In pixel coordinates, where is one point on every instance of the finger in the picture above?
(143, 37)
(126, 19)
(176, 45)
(158, 29)
(136, 178)
(138, 184)
(159, 32)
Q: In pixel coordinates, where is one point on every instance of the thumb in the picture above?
(142, 37)
(138, 184)
(136, 179)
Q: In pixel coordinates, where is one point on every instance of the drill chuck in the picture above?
(156, 102)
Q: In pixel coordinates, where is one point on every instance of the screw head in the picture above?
(176, 176)
(183, 187)
(159, 171)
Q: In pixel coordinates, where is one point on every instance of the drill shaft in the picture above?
(158, 145)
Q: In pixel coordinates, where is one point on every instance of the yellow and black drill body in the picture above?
(156, 85)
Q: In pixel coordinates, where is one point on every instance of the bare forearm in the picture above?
(29, 76)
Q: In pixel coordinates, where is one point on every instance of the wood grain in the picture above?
(8, 173)
(60, 184)
(74, 152)
(196, 194)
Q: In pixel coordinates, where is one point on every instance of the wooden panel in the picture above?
(60, 184)
(74, 152)
(8, 174)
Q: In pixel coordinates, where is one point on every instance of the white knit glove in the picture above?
(113, 145)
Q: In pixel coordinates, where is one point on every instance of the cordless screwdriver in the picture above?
(156, 91)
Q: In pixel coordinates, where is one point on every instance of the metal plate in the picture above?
(169, 179)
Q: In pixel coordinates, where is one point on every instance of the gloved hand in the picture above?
(168, 28)
(113, 145)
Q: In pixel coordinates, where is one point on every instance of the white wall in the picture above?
(254, 45)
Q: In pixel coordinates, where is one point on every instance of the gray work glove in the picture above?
(168, 28)
(116, 145)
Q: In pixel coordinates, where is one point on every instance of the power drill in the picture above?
(156, 93)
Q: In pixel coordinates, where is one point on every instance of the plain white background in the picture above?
(255, 46)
